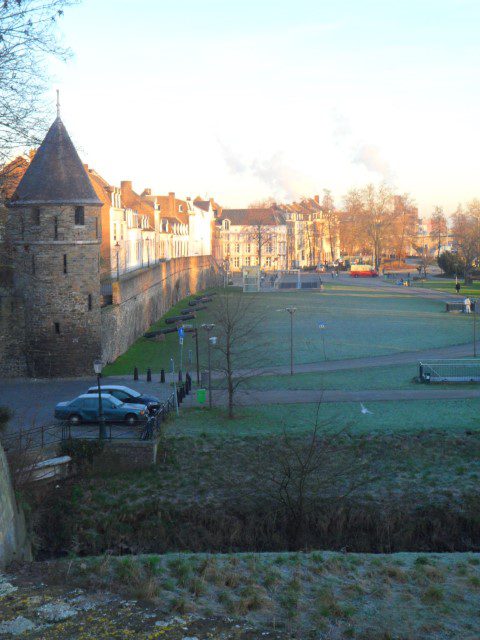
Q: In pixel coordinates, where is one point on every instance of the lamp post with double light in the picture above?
(97, 367)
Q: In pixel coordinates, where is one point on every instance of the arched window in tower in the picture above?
(79, 216)
(64, 263)
(89, 302)
(55, 228)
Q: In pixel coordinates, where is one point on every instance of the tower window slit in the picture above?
(64, 263)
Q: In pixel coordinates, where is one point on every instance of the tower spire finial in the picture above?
(58, 103)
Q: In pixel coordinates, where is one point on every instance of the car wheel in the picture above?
(74, 419)
(131, 418)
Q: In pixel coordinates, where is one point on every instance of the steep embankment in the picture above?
(13, 543)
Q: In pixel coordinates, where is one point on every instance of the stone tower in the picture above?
(55, 235)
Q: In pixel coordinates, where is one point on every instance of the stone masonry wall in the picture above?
(13, 544)
(12, 335)
(142, 298)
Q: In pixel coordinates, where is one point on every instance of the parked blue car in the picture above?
(85, 409)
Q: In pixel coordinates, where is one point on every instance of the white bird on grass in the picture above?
(363, 409)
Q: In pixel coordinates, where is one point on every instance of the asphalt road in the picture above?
(33, 401)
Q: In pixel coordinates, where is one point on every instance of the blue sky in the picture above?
(245, 100)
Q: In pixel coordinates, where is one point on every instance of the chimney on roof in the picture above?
(126, 185)
(31, 154)
(317, 199)
(171, 202)
(147, 192)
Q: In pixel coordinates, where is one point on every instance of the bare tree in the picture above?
(262, 236)
(27, 37)
(466, 233)
(238, 322)
(330, 217)
(439, 228)
(294, 471)
(373, 213)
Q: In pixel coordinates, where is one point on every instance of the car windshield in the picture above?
(134, 393)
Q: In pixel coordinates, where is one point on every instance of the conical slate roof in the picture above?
(56, 174)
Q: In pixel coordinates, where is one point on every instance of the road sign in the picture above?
(322, 325)
(180, 340)
(181, 332)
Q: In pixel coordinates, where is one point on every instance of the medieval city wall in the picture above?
(12, 335)
(142, 297)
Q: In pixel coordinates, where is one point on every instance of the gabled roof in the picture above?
(56, 174)
(202, 204)
(10, 176)
(271, 216)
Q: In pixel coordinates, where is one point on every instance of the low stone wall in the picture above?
(127, 455)
(142, 297)
(13, 539)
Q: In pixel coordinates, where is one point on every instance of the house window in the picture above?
(237, 247)
(236, 262)
(55, 228)
(226, 224)
(89, 301)
(56, 326)
(247, 261)
(64, 263)
(268, 261)
(114, 230)
(248, 248)
(269, 247)
(36, 216)
(79, 216)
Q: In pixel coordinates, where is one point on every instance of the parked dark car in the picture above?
(85, 409)
(127, 395)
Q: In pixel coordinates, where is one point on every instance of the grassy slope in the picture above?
(367, 597)
(448, 286)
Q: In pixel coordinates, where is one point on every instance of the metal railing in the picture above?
(460, 370)
(41, 437)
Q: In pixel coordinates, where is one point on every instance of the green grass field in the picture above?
(452, 416)
(359, 322)
(448, 286)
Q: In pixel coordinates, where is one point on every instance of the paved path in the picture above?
(301, 396)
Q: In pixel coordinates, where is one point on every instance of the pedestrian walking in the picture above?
(457, 287)
(468, 305)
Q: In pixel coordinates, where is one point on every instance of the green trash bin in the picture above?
(201, 396)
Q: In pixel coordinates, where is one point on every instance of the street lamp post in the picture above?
(291, 311)
(474, 305)
(211, 340)
(97, 367)
(117, 249)
(172, 369)
(195, 335)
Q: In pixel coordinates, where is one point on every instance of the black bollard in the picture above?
(135, 373)
(179, 398)
(180, 376)
(162, 375)
(188, 383)
(149, 375)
